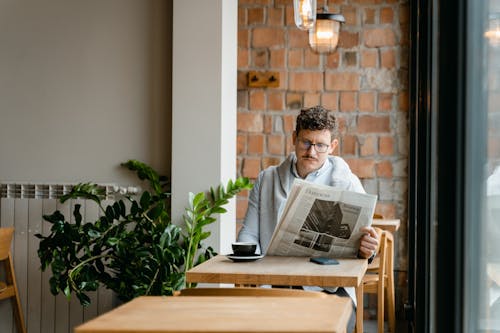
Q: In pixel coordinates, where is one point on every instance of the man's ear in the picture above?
(294, 138)
(333, 145)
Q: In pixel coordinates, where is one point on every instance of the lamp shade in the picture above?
(324, 36)
(304, 12)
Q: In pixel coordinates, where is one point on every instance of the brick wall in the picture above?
(365, 81)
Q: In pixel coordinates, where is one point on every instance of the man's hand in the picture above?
(369, 242)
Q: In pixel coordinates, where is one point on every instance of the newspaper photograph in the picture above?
(320, 220)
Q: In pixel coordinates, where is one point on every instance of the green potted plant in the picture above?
(134, 248)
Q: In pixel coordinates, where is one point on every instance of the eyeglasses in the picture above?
(306, 144)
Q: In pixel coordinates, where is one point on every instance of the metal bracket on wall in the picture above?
(263, 79)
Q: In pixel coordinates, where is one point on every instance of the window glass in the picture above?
(489, 295)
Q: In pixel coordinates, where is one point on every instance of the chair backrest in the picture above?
(269, 292)
(382, 251)
(5, 241)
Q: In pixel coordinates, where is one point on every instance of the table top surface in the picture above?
(224, 314)
(287, 271)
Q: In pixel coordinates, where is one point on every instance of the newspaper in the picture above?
(320, 220)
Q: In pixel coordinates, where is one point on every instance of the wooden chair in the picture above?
(250, 291)
(8, 288)
(379, 280)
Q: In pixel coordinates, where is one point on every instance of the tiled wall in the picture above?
(365, 81)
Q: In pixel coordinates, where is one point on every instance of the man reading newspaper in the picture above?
(314, 138)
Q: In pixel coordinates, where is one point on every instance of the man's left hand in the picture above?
(369, 242)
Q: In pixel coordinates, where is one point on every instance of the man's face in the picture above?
(307, 144)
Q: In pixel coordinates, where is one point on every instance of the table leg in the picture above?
(359, 308)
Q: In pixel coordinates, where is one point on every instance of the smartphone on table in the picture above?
(324, 261)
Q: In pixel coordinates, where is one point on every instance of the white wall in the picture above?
(84, 85)
(204, 106)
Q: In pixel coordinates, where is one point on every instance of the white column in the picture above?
(204, 106)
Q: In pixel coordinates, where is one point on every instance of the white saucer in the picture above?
(236, 258)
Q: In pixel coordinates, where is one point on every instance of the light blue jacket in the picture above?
(268, 196)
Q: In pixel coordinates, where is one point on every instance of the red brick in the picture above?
(298, 39)
(330, 100)
(255, 144)
(259, 58)
(311, 59)
(243, 60)
(255, 15)
(288, 123)
(306, 81)
(379, 37)
(239, 163)
(405, 35)
(367, 101)
(350, 59)
(250, 122)
(386, 146)
(276, 144)
(342, 125)
(242, 17)
(366, 2)
(283, 3)
(275, 100)
(347, 101)
(372, 124)
(333, 60)
(268, 37)
(251, 167)
(343, 81)
(311, 99)
(388, 59)
(241, 208)
(368, 146)
(351, 15)
(295, 58)
(404, 14)
(253, 2)
(268, 124)
(384, 102)
(369, 16)
(243, 37)
(386, 15)
(349, 145)
(289, 145)
(277, 58)
(363, 168)
(387, 210)
(241, 144)
(403, 101)
(348, 40)
(257, 100)
(242, 80)
(384, 169)
(369, 59)
(275, 16)
(289, 19)
(294, 100)
(242, 99)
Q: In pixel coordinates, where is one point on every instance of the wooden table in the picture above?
(224, 314)
(391, 225)
(286, 271)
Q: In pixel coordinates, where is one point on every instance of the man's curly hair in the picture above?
(316, 118)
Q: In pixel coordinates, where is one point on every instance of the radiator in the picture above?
(22, 206)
